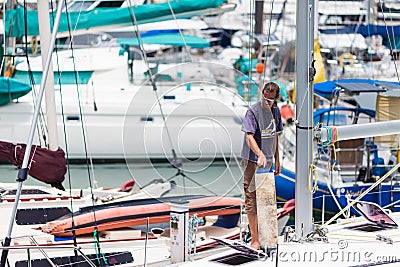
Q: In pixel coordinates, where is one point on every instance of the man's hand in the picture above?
(262, 161)
(277, 167)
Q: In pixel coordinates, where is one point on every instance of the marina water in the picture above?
(199, 177)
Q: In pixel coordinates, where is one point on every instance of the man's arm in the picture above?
(276, 156)
(261, 161)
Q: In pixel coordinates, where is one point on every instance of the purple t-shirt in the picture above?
(270, 123)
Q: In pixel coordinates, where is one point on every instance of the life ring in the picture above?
(127, 186)
(347, 59)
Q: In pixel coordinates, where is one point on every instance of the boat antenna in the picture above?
(23, 172)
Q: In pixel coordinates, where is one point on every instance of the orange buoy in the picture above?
(287, 112)
(260, 67)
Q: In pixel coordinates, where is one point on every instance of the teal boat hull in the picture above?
(11, 89)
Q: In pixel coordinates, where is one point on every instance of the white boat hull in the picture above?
(122, 119)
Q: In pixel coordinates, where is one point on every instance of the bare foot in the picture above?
(255, 245)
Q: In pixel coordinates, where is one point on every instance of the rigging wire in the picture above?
(336, 39)
(175, 162)
(280, 16)
(3, 60)
(180, 31)
(88, 161)
(42, 126)
(310, 26)
(390, 42)
(395, 44)
(268, 42)
(251, 36)
(223, 155)
(310, 84)
(370, 57)
(208, 106)
(65, 140)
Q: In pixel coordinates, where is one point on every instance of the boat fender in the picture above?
(9, 71)
(287, 112)
(34, 45)
(287, 208)
(127, 186)
(260, 68)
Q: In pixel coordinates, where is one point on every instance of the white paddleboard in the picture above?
(266, 208)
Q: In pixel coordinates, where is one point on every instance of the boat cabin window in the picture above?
(79, 5)
(110, 4)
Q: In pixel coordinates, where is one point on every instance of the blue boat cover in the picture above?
(328, 88)
(366, 30)
(320, 112)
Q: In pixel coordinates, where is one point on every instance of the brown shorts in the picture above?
(249, 186)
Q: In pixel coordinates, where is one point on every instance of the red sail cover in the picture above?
(46, 165)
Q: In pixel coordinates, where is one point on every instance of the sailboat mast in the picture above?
(258, 27)
(304, 112)
(369, 16)
(44, 29)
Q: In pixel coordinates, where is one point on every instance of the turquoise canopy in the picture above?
(66, 77)
(174, 39)
(14, 19)
(11, 89)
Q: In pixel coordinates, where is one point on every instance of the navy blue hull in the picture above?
(382, 195)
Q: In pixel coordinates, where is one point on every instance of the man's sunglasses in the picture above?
(268, 99)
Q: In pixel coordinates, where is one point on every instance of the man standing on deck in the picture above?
(261, 124)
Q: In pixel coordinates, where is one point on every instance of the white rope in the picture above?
(192, 234)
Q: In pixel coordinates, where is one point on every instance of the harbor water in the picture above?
(206, 178)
